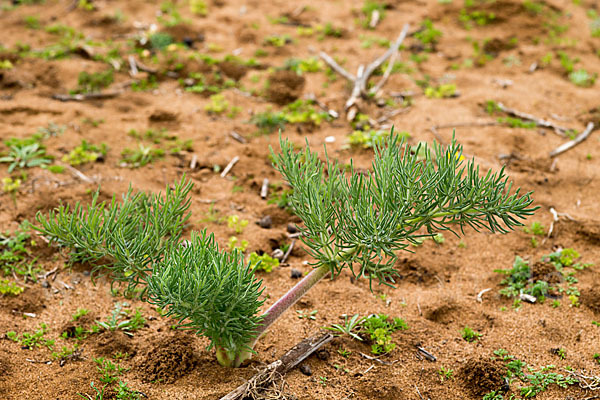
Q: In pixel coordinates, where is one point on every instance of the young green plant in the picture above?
(356, 223)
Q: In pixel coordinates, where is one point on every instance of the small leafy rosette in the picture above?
(212, 292)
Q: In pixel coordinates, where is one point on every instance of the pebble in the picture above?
(291, 228)
(296, 274)
(306, 370)
(265, 222)
(278, 254)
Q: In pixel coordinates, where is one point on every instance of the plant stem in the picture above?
(291, 297)
(295, 293)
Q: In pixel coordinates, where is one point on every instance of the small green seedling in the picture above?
(124, 392)
(262, 262)
(80, 313)
(367, 139)
(85, 153)
(446, 374)
(11, 186)
(199, 7)
(344, 352)
(15, 255)
(234, 222)
(65, 353)
(469, 334)
(141, 156)
(32, 340)
(428, 35)
(94, 82)
(379, 329)
(583, 78)
(120, 319)
(560, 352)
(299, 112)
(26, 156)
(301, 66)
(535, 228)
(312, 315)
(517, 123)
(235, 243)
(442, 91)
(99, 393)
(350, 327)
(10, 288)
(278, 40)
(529, 381)
(439, 238)
(218, 104)
(109, 370)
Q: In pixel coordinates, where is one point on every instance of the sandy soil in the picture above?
(437, 294)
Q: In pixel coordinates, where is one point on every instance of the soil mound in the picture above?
(481, 375)
(110, 343)
(30, 301)
(591, 298)
(285, 87)
(168, 360)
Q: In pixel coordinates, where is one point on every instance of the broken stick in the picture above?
(287, 362)
(86, 96)
(233, 161)
(364, 73)
(264, 189)
(560, 130)
(572, 143)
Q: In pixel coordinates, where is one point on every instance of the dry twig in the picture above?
(229, 166)
(264, 189)
(87, 96)
(288, 252)
(480, 294)
(572, 143)
(364, 73)
(587, 382)
(277, 369)
(79, 174)
(560, 130)
(237, 137)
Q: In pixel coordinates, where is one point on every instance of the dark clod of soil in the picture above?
(306, 370)
(541, 271)
(591, 299)
(285, 87)
(265, 222)
(168, 360)
(481, 375)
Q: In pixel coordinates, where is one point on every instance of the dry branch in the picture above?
(237, 137)
(560, 130)
(78, 174)
(276, 369)
(572, 143)
(364, 73)
(86, 96)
